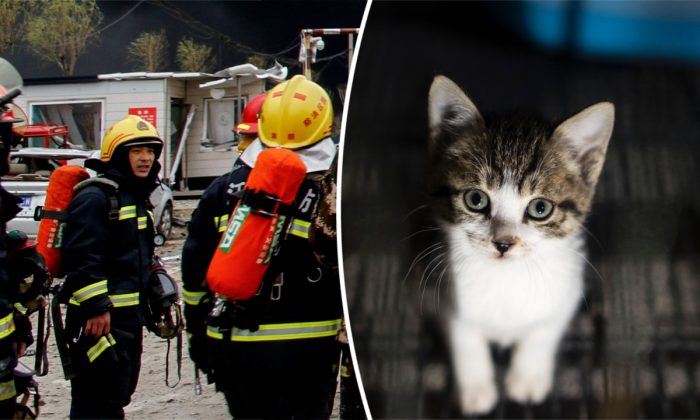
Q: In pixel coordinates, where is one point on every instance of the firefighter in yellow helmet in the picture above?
(107, 252)
(273, 356)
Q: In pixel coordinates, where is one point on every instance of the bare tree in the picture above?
(192, 56)
(14, 15)
(149, 51)
(259, 61)
(61, 30)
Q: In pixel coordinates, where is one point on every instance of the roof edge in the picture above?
(60, 80)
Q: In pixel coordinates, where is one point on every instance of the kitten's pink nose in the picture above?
(502, 247)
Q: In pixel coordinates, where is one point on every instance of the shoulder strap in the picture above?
(229, 194)
(108, 186)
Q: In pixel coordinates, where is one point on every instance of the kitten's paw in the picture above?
(478, 398)
(528, 386)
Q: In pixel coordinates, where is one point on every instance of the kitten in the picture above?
(511, 197)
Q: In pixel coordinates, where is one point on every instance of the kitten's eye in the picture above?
(476, 200)
(539, 208)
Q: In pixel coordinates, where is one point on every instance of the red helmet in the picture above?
(9, 117)
(6, 114)
(249, 122)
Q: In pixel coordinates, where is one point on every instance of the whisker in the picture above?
(590, 264)
(421, 255)
(439, 283)
(585, 302)
(423, 283)
(439, 260)
(592, 236)
(417, 209)
(429, 229)
(541, 283)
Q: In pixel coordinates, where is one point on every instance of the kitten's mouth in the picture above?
(510, 255)
(503, 257)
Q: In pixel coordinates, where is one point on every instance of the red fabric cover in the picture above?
(58, 195)
(243, 254)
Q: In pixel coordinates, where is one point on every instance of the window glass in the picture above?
(221, 116)
(83, 119)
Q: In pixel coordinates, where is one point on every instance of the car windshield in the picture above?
(28, 179)
(37, 164)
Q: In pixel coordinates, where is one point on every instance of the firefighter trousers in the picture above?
(107, 371)
(8, 408)
(287, 379)
(8, 392)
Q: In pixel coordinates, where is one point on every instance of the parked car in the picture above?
(28, 179)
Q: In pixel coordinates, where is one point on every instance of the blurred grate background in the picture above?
(634, 348)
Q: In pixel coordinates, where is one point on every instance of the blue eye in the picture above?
(476, 200)
(539, 209)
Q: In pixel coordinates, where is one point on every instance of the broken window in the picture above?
(220, 116)
(83, 119)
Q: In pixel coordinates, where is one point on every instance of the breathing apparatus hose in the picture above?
(60, 333)
(41, 363)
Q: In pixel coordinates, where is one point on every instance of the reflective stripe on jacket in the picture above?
(193, 298)
(118, 301)
(281, 332)
(7, 390)
(307, 294)
(103, 343)
(107, 261)
(7, 325)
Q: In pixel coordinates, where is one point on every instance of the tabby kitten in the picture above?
(511, 197)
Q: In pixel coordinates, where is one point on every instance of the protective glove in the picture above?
(23, 329)
(196, 327)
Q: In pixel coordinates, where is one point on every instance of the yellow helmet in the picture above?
(296, 113)
(131, 130)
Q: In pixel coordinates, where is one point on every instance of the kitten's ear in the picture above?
(450, 111)
(586, 136)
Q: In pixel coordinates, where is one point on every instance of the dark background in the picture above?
(234, 29)
(633, 349)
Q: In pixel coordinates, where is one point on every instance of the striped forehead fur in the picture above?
(559, 164)
(517, 151)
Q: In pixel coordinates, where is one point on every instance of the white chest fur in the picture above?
(507, 298)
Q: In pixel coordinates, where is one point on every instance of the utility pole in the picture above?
(310, 42)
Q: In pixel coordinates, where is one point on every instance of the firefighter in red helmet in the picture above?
(247, 130)
(15, 330)
(273, 355)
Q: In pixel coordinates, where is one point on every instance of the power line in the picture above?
(207, 32)
(329, 60)
(294, 45)
(330, 57)
(99, 31)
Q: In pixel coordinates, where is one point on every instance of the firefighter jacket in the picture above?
(302, 298)
(106, 257)
(13, 326)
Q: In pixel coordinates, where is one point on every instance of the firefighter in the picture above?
(15, 329)
(281, 365)
(247, 130)
(106, 257)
